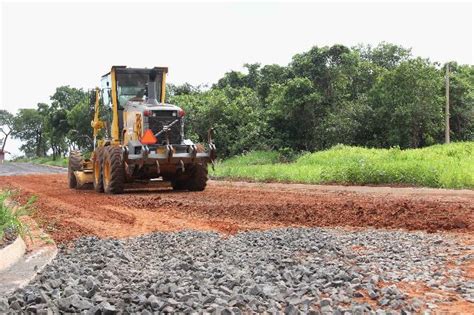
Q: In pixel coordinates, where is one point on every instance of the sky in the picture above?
(46, 45)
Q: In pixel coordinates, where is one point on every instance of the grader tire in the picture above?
(74, 164)
(178, 184)
(98, 172)
(198, 178)
(113, 170)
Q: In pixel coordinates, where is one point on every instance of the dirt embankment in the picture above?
(230, 207)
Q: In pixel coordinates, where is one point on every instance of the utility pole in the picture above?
(446, 114)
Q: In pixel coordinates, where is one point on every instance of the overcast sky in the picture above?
(46, 45)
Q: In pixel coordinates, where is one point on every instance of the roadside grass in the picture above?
(10, 216)
(62, 161)
(439, 166)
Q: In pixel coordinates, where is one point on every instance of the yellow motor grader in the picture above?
(138, 137)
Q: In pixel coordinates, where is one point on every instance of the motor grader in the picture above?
(138, 137)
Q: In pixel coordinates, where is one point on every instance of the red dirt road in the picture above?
(229, 207)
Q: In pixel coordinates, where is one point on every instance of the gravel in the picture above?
(9, 236)
(291, 270)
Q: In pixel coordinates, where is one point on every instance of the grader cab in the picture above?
(138, 137)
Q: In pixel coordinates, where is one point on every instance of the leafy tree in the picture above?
(253, 77)
(68, 120)
(295, 113)
(269, 75)
(331, 70)
(313, 66)
(407, 105)
(79, 121)
(461, 100)
(345, 124)
(67, 97)
(234, 79)
(239, 123)
(29, 128)
(57, 127)
(384, 55)
(183, 89)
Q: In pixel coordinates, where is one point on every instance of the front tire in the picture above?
(113, 170)
(198, 178)
(74, 164)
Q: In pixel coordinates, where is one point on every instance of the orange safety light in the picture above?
(148, 137)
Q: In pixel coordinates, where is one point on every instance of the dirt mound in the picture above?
(232, 207)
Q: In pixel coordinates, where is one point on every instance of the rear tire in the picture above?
(74, 164)
(98, 173)
(113, 170)
(198, 178)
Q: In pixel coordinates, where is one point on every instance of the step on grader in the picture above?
(138, 138)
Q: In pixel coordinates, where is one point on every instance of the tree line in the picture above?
(53, 128)
(380, 96)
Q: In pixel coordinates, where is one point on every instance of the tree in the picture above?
(183, 89)
(79, 122)
(6, 127)
(240, 125)
(66, 97)
(461, 99)
(234, 79)
(68, 120)
(408, 105)
(345, 124)
(332, 70)
(29, 127)
(295, 114)
(313, 66)
(384, 55)
(57, 128)
(269, 75)
(253, 76)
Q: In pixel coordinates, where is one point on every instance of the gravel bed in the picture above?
(294, 269)
(9, 236)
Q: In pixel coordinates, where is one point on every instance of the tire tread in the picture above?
(75, 162)
(113, 155)
(198, 179)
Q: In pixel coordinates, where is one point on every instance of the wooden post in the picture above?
(446, 114)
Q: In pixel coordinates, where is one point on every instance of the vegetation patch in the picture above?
(48, 160)
(10, 223)
(441, 166)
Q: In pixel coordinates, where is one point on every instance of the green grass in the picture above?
(62, 161)
(10, 219)
(442, 166)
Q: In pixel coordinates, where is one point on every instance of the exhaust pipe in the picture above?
(151, 86)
